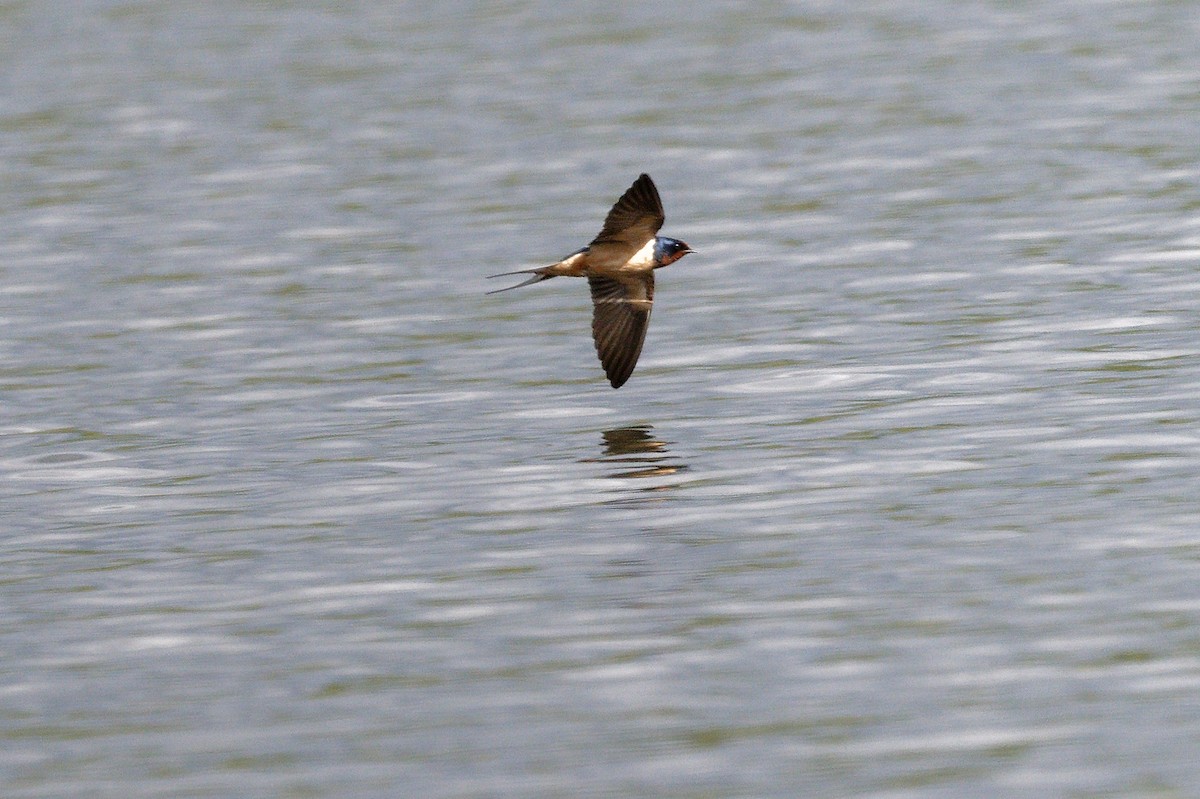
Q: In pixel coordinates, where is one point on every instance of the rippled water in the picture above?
(901, 500)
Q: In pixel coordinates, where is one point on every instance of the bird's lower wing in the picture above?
(620, 317)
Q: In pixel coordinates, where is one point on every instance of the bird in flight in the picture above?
(619, 265)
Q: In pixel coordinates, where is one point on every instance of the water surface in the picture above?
(899, 502)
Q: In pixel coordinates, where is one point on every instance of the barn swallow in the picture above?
(619, 265)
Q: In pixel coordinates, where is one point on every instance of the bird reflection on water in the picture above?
(639, 453)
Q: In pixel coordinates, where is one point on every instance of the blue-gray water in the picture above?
(902, 500)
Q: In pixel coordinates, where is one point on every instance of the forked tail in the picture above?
(538, 276)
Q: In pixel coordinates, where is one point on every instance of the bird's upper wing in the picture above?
(633, 220)
(619, 320)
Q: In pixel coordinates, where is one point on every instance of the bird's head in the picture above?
(667, 251)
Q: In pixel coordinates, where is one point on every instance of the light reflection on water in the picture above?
(899, 502)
